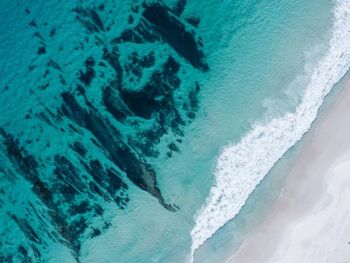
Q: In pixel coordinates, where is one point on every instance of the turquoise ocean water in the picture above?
(135, 131)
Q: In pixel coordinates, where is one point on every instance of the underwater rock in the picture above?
(158, 23)
(98, 107)
(175, 34)
(89, 73)
(134, 166)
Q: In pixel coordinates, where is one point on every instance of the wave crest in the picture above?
(240, 167)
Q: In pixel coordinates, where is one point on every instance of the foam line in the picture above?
(241, 167)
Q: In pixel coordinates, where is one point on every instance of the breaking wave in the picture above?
(240, 167)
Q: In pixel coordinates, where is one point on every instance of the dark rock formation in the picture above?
(95, 121)
(67, 194)
(89, 73)
(158, 23)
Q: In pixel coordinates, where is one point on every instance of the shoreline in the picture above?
(309, 220)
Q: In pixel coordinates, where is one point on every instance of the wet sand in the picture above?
(310, 221)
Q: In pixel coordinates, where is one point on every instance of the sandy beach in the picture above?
(310, 221)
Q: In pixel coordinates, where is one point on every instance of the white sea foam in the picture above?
(240, 167)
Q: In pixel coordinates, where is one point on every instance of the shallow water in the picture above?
(260, 54)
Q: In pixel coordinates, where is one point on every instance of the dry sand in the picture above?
(310, 221)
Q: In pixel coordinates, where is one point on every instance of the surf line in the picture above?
(241, 167)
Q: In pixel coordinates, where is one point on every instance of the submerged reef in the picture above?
(96, 100)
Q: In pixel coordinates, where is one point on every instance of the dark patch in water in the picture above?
(41, 50)
(33, 23)
(91, 161)
(175, 34)
(88, 74)
(193, 20)
(90, 19)
(61, 190)
(160, 23)
(53, 32)
(79, 148)
(179, 7)
(136, 64)
(135, 167)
